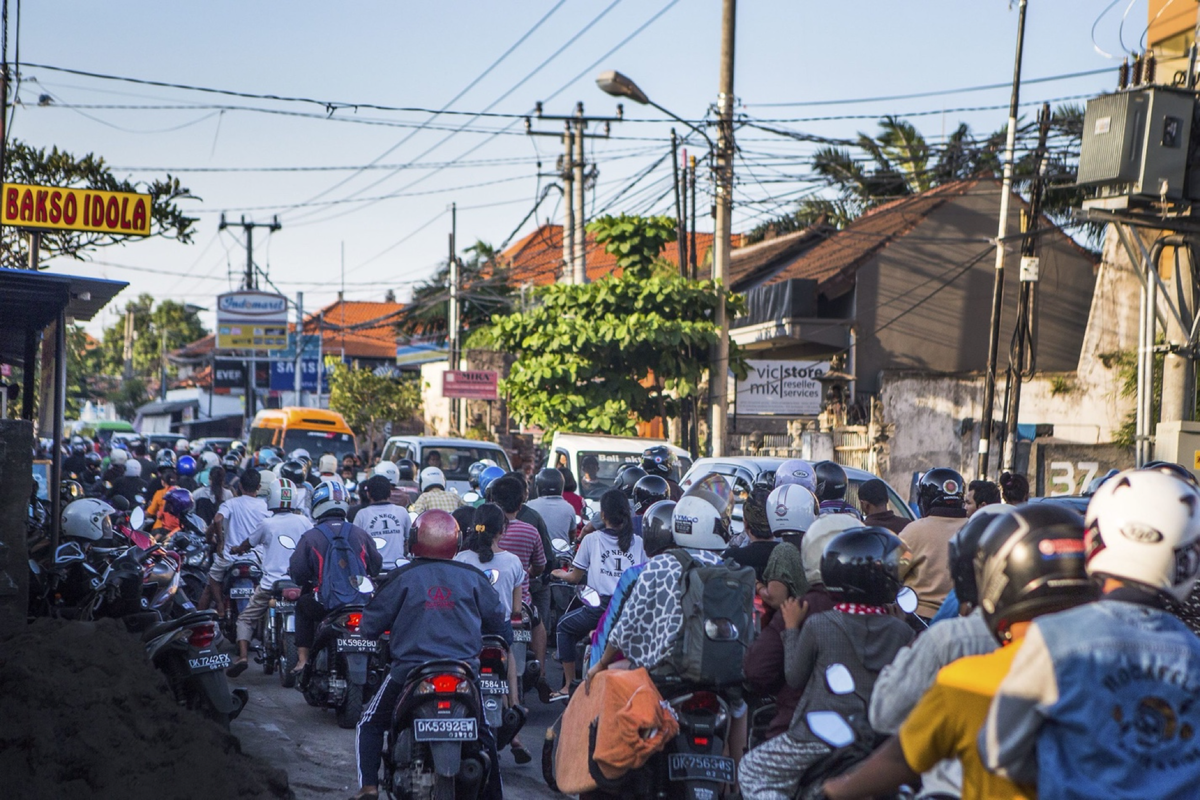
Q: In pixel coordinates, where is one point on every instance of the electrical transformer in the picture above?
(1137, 148)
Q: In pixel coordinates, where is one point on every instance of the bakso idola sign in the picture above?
(91, 210)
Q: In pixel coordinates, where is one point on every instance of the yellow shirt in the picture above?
(946, 722)
(156, 502)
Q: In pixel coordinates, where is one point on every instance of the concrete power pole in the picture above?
(577, 165)
(452, 322)
(250, 282)
(723, 233)
(568, 178)
(989, 386)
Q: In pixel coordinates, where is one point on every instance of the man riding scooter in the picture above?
(435, 608)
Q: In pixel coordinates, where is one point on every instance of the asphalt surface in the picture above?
(280, 728)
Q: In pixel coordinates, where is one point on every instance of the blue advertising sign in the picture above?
(283, 376)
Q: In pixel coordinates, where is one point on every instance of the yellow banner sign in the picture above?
(248, 336)
(92, 210)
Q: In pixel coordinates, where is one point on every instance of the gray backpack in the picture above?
(718, 623)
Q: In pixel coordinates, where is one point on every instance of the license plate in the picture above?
(492, 686)
(289, 623)
(239, 592)
(210, 662)
(284, 605)
(522, 636)
(693, 767)
(356, 645)
(445, 730)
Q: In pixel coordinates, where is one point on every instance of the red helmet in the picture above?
(434, 534)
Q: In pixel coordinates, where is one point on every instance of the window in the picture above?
(454, 460)
(317, 443)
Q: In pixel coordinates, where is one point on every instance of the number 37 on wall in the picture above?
(1063, 477)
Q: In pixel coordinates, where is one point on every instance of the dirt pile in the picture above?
(85, 715)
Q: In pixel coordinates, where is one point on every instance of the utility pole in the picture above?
(452, 324)
(127, 351)
(691, 179)
(573, 178)
(680, 224)
(1024, 333)
(250, 282)
(299, 378)
(723, 233)
(989, 387)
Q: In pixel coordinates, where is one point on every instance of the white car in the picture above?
(452, 456)
(594, 459)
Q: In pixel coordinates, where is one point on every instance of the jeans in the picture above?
(377, 719)
(574, 626)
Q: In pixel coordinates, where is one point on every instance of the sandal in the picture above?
(239, 666)
(561, 694)
(520, 754)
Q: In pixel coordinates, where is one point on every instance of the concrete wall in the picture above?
(436, 408)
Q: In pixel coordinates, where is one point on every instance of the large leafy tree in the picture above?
(27, 164)
(369, 402)
(599, 357)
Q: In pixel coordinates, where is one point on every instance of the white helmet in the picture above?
(791, 508)
(196, 447)
(210, 459)
(181, 445)
(796, 470)
(327, 497)
(1143, 527)
(119, 456)
(817, 536)
(87, 518)
(281, 494)
(269, 479)
(700, 520)
(298, 453)
(133, 468)
(389, 470)
(430, 476)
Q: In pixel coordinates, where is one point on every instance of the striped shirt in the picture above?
(523, 541)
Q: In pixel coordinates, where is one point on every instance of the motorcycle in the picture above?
(561, 593)
(529, 670)
(187, 651)
(503, 718)
(195, 555)
(433, 750)
(240, 582)
(345, 668)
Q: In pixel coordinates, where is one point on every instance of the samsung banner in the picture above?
(790, 388)
(283, 376)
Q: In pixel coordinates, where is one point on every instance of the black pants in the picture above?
(377, 718)
(309, 613)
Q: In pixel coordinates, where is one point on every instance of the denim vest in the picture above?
(1127, 721)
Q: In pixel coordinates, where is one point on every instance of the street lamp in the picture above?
(618, 85)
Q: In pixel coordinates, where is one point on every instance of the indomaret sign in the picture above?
(91, 210)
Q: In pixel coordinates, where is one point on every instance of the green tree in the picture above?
(27, 164)
(369, 402)
(603, 355)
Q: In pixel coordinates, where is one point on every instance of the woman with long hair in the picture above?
(602, 556)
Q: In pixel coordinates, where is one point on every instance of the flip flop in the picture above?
(557, 696)
(520, 754)
(239, 666)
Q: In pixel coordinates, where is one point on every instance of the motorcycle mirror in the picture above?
(838, 679)
(380, 542)
(139, 499)
(560, 545)
(907, 600)
(288, 542)
(34, 567)
(119, 502)
(365, 584)
(68, 553)
(830, 727)
(137, 518)
(400, 562)
(493, 576)
(590, 597)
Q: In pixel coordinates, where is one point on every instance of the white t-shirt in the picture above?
(276, 554)
(242, 515)
(604, 562)
(504, 571)
(388, 523)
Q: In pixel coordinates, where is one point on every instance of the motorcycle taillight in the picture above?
(701, 701)
(353, 621)
(489, 657)
(443, 684)
(292, 594)
(202, 635)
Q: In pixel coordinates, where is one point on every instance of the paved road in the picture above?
(279, 727)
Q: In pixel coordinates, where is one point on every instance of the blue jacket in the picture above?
(434, 609)
(1109, 693)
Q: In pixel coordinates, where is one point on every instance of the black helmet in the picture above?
(648, 491)
(658, 460)
(93, 459)
(407, 469)
(628, 478)
(78, 448)
(231, 461)
(831, 481)
(964, 545)
(549, 482)
(1171, 468)
(940, 487)
(293, 470)
(862, 565)
(658, 532)
(1031, 562)
(754, 508)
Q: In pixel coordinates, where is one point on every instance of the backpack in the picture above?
(341, 570)
(708, 651)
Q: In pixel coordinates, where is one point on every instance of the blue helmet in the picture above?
(487, 476)
(186, 465)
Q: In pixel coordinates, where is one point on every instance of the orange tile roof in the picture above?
(537, 258)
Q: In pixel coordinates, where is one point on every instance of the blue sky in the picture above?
(424, 54)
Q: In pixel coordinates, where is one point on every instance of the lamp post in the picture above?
(618, 85)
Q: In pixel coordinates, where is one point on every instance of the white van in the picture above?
(451, 456)
(594, 458)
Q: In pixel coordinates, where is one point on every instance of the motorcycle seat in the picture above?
(183, 622)
(491, 640)
(280, 586)
(441, 666)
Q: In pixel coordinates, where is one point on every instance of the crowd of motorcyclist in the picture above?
(1044, 654)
